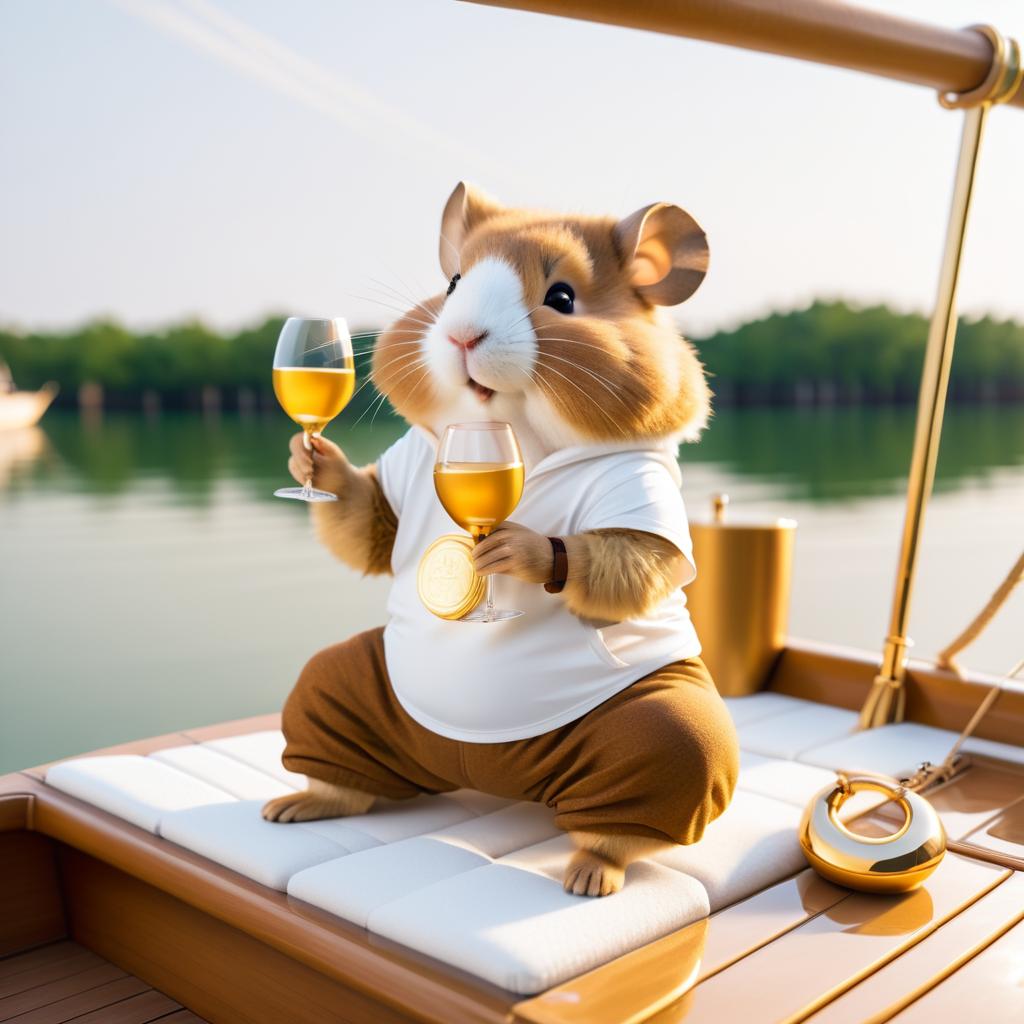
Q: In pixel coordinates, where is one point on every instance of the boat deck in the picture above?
(791, 947)
(63, 981)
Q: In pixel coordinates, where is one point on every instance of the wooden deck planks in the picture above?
(808, 966)
(66, 982)
(940, 955)
(655, 975)
(988, 988)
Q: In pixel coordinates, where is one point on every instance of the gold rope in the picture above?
(945, 657)
(927, 774)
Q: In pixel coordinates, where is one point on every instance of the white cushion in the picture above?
(139, 789)
(236, 836)
(512, 828)
(262, 751)
(761, 705)
(353, 887)
(227, 773)
(894, 750)
(391, 820)
(520, 930)
(789, 733)
(752, 845)
(788, 781)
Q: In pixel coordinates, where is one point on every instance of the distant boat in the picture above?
(22, 408)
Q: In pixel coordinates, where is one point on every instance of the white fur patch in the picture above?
(490, 298)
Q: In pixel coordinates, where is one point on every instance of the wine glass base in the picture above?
(301, 494)
(497, 615)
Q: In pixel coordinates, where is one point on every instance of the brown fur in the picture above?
(598, 867)
(319, 800)
(617, 371)
(620, 574)
(360, 527)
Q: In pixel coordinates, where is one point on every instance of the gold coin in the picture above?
(446, 581)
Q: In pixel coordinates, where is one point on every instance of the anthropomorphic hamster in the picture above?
(595, 701)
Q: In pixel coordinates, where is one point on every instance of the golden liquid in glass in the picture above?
(479, 495)
(313, 397)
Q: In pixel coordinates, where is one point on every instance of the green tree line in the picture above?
(828, 352)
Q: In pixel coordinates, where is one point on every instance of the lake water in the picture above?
(150, 582)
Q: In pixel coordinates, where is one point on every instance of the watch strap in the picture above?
(560, 566)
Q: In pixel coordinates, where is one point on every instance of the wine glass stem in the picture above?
(489, 599)
(307, 443)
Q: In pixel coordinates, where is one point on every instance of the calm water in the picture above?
(150, 582)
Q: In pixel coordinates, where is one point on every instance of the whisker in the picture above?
(601, 380)
(406, 298)
(393, 295)
(381, 395)
(424, 376)
(528, 313)
(404, 313)
(590, 398)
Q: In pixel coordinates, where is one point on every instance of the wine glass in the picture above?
(479, 479)
(314, 378)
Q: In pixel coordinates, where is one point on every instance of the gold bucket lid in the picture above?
(446, 581)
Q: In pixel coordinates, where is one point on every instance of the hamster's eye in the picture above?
(451, 284)
(560, 297)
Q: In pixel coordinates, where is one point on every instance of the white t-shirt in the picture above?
(488, 683)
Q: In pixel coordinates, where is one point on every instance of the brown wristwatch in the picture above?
(560, 568)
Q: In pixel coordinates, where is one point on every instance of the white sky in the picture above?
(228, 158)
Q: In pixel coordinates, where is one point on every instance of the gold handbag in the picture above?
(895, 863)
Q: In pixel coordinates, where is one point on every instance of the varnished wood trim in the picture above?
(217, 971)
(842, 677)
(15, 810)
(417, 985)
(31, 912)
(841, 34)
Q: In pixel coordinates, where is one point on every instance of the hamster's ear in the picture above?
(467, 207)
(665, 252)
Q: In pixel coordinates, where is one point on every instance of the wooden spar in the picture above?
(822, 31)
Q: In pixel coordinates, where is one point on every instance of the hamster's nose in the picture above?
(466, 337)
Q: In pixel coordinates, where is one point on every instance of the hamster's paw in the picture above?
(589, 874)
(321, 800)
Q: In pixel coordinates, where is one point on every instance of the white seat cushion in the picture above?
(236, 836)
(227, 773)
(894, 750)
(391, 820)
(353, 887)
(752, 845)
(262, 751)
(519, 929)
(788, 781)
(790, 732)
(757, 706)
(139, 789)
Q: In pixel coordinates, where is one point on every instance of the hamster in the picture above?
(556, 325)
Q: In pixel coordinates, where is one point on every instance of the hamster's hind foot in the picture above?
(321, 800)
(598, 867)
(589, 874)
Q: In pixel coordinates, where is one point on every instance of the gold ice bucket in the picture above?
(740, 599)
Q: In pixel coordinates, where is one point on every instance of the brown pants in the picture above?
(659, 758)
